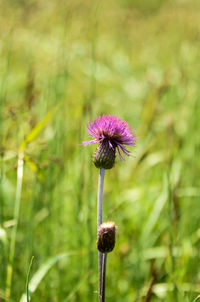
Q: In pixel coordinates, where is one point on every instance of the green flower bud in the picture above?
(104, 156)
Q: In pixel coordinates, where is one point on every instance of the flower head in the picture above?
(113, 134)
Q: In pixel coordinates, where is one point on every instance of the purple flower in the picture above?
(113, 131)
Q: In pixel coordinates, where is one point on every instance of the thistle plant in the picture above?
(113, 136)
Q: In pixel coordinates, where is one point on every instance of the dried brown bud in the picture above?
(104, 156)
(106, 237)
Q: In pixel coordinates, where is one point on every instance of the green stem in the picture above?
(27, 279)
(16, 219)
(171, 241)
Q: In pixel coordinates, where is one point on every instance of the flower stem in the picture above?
(104, 277)
(99, 221)
(100, 197)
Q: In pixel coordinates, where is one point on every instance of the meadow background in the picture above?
(61, 64)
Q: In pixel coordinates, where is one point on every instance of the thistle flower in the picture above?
(106, 237)
(112, 134)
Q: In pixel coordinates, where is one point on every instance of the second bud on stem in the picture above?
(106, 237)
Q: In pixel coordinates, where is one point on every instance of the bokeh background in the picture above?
(61, 64)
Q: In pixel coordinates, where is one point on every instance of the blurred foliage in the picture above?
(61, 64)
(144, 6)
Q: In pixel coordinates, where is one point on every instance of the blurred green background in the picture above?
(61, 64)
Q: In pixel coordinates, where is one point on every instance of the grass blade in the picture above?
(27, 279)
